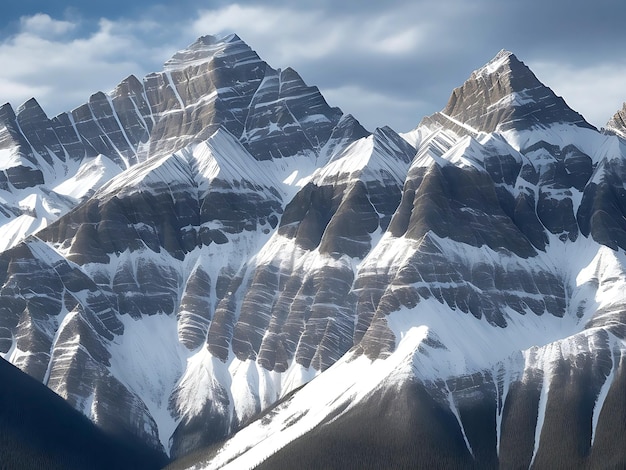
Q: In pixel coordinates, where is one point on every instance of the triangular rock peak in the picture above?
(226, 251)
(505, 94)
(205, 48)
(617, 124)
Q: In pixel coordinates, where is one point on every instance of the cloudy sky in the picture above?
(389, 62)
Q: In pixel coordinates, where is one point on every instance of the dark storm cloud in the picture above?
(386, 62)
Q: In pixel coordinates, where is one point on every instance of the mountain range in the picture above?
(217, 265)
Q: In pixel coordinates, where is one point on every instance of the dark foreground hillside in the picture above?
(39, 430)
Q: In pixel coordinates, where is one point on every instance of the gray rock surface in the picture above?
(617, 124)
(251, 237)
(505, 94)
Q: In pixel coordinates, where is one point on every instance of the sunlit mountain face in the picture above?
(216, 265)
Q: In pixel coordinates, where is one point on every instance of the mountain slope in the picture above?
(617, 123)
(50, 165)
(496, 328)
(265, 274)
(158, 247)
(38, 429)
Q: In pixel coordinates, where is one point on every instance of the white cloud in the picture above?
(11, 88)
(597, 91)
(43, 25)
(62, 70)
(390, 65)
(401, 43)
(291, 36)
(282, 31)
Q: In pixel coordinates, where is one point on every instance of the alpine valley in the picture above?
(220, 270)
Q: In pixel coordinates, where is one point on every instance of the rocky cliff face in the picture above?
(617, 124)
(50, 165)
(503, 95)
(249, 237)
(214, 148)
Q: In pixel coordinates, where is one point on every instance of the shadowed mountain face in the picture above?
(387, 429)
(38, 429)
(225, 236)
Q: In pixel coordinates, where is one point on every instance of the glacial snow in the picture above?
(527, 342)
(594, 276)
(149, 360)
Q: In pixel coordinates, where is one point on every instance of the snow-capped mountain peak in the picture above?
(222, 245)
(204, 49)
(505, 94)
(500, 61)
(617, 124)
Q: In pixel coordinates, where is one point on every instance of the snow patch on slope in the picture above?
(91, 174)
(223, 156)
(587, 140)
(499, 61)
(149, 360)
(345, 383)
(367, 159)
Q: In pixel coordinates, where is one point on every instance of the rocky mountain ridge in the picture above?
(50, 165)
(617, 123)
(240, 242)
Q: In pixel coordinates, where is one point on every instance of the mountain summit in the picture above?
(50, 165)
(240, 275)
(505, 94)
(617, 123)
(206, 48)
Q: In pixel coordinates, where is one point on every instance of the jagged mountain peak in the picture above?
(211, 40)
(6, 110)
(617, 124)
(216, 82)
(246, 237)
(31, 105)
(203, 50)
(504, 95)
(502, 59)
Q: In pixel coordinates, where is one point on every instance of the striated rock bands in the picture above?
(505, 94)
(214, 83)
(216, 236)
(617, 124)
